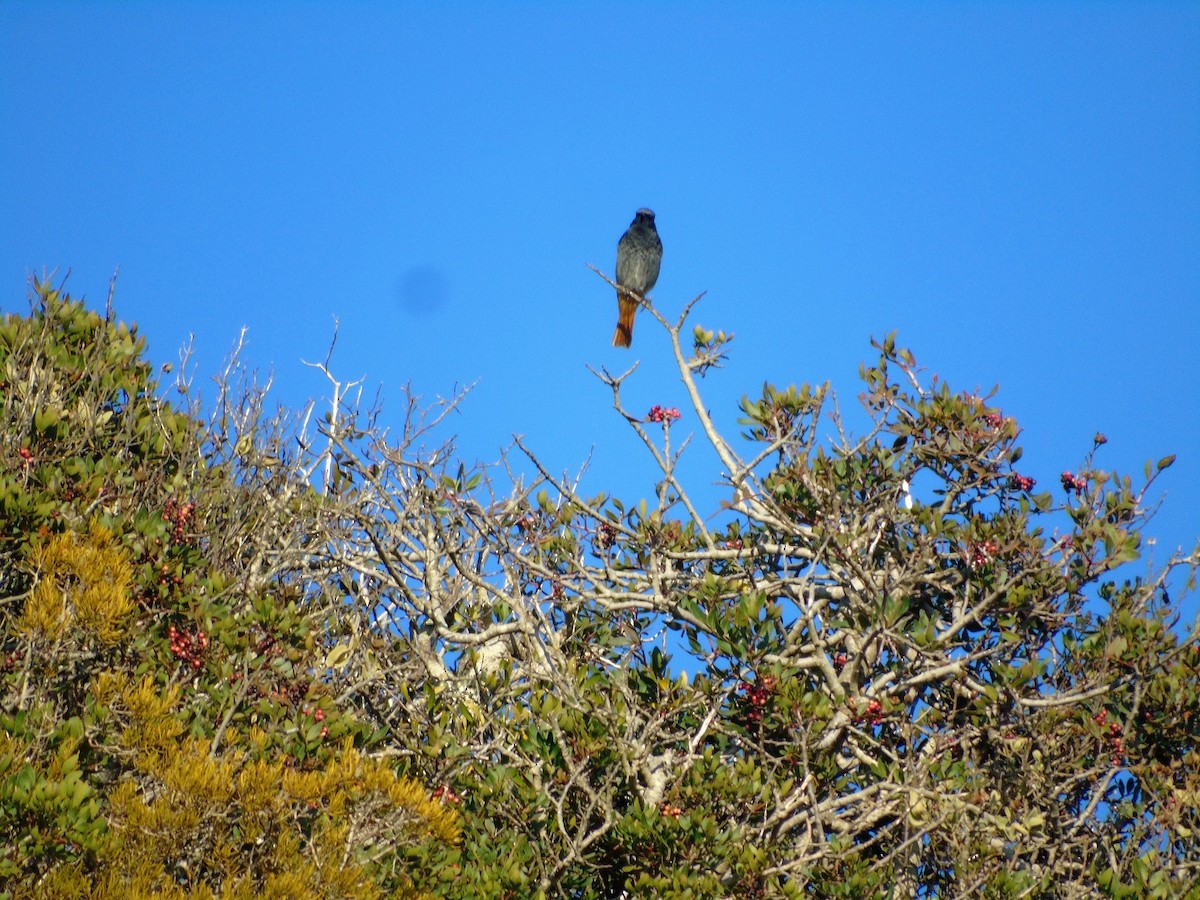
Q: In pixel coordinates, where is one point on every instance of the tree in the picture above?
(884, 666)
(906, 672)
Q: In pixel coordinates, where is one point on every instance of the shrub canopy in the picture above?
(273, 653)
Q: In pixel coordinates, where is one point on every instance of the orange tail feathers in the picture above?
(628, 306)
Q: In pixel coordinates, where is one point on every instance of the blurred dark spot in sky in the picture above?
(423, 290)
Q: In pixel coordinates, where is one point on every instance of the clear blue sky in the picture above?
(1015, 188)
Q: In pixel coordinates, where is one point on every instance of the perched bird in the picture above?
(639, 254)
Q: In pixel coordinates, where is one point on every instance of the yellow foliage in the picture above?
(107, 687)
(83, 586)
(245, 824)
(257, 738)
(154, 729)
(198, 779)
(258, 786)
(10, 749)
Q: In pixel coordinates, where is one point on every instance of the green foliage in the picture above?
(51, 814)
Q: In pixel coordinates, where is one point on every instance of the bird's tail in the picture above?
(627, 304)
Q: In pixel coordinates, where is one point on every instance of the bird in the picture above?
(639, 255)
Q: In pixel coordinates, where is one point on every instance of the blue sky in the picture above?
(1014, 188)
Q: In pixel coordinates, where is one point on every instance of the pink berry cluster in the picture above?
(1072, 482)
(26, 457)
(993, 420)
(983, 553)
(318, 715)
(1021, 482)
(758, 695)
(671, 812)
(180, 516)
(1115, 736)
(446, 795)
(189, 646)
(872, 714)
(662, 414)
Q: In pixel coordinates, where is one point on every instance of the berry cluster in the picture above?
(189, 646)
(758, 695)
(662, 414)
(266, 643)
(1114, 738)
(165, 577)
(1021, 482)
(180, 515)
(318, 715)
(994, 420)
(672, 812)
(872, 715)
(446, 795)
(1072, 482)
(26, 457)
(983, 553)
